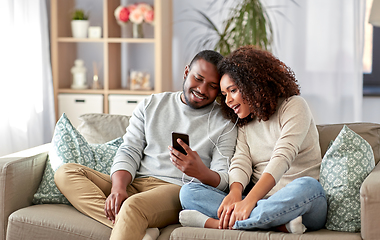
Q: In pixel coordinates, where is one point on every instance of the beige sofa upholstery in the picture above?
(21, 174)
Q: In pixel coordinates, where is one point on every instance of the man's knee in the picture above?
(62, 174)
(134, 208)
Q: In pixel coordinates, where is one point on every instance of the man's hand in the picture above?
(120, 181)
(192, 165)
(114, 202)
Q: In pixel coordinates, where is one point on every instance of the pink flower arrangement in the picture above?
(136, 13)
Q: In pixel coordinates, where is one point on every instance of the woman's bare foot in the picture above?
(212, 223)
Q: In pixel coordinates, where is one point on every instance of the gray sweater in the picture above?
(145, 148)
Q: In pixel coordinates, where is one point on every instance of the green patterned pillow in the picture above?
(69, 146)
(344, 167)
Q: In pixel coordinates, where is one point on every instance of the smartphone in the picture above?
(184, 137)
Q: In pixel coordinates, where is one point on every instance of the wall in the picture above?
(371, 109)
(186, 34)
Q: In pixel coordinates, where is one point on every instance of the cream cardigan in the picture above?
(286, 146)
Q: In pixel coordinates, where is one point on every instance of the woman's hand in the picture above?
(242, 211)
(237, 211)
(226, 208)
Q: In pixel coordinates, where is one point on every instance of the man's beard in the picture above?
(189, 103)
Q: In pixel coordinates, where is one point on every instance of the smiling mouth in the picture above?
(199, 96)
(235, 107)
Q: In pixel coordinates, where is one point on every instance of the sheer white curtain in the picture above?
(26, 91)
(322, 42)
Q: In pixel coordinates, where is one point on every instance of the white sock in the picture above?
(151, 234)
(295, 226)
(192, 218)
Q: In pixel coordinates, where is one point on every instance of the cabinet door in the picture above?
(75, 105)
(124, 104)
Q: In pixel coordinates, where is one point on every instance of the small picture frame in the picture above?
(94, 32)
(139, 80)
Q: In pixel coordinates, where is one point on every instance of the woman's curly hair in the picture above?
(261, 78)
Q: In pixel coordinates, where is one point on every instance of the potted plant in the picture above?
(79, 24)
(248, 23)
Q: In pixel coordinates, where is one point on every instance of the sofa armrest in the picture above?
(20, 176)
(370, 205)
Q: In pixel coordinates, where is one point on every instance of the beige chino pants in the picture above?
(151, 202)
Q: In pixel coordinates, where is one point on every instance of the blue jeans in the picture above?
(302, 197)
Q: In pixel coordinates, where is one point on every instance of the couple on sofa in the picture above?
(277, 148)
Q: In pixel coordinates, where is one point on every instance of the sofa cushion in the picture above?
(344, 167)
(369, 131)
(101, 128)
(191, 233)
(69, 146)
(54, 221)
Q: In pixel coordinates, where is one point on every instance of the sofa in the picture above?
(21, 174)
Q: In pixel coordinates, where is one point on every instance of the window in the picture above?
(371, 57)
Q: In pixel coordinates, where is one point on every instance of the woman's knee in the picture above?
(189, 193)
(185, 193)
(310, 184)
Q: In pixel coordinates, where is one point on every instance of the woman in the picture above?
(277, 149)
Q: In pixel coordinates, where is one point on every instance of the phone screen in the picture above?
(184, 137)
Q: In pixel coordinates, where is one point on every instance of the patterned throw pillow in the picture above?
(69, 146)
(344, 167)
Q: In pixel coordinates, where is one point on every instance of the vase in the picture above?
(137, 31)
(79, 75)
(79, 28)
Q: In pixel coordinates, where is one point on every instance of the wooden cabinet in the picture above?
(114, 53)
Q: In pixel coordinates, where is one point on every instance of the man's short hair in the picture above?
(207, 55)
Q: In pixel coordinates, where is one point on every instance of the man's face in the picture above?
(201, 85)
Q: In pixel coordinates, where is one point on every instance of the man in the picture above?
(146, 176)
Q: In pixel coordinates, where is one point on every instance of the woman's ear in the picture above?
(186, 72)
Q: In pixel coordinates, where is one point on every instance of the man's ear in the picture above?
(218, 98)
(186, 72)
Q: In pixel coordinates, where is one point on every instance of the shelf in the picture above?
(110, 40)
(131, 40)
(89, 91)
(115, 54)
(132, 92)
(74, 40)
(101, 91)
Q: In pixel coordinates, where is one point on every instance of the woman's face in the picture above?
(234, 99)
